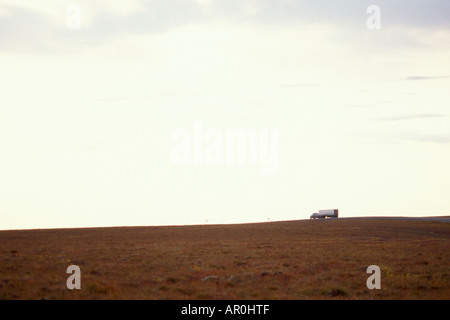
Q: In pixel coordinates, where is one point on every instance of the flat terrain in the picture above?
(277, 260)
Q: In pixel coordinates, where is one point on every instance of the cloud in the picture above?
(417, 13)
(23, 29)
(444, 138)
(32, 28)
(414, 117)
(394, 13)
(426, 78)
(154, 17)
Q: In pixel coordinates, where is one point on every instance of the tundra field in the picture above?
(323, 259)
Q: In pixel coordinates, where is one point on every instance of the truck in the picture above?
(323, 214)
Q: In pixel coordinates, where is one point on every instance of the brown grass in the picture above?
(278, 260)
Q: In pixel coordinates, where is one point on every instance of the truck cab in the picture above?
(315, 215)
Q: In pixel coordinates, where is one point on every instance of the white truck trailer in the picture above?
(323, 214)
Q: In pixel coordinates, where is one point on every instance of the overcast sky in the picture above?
(88, 115)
